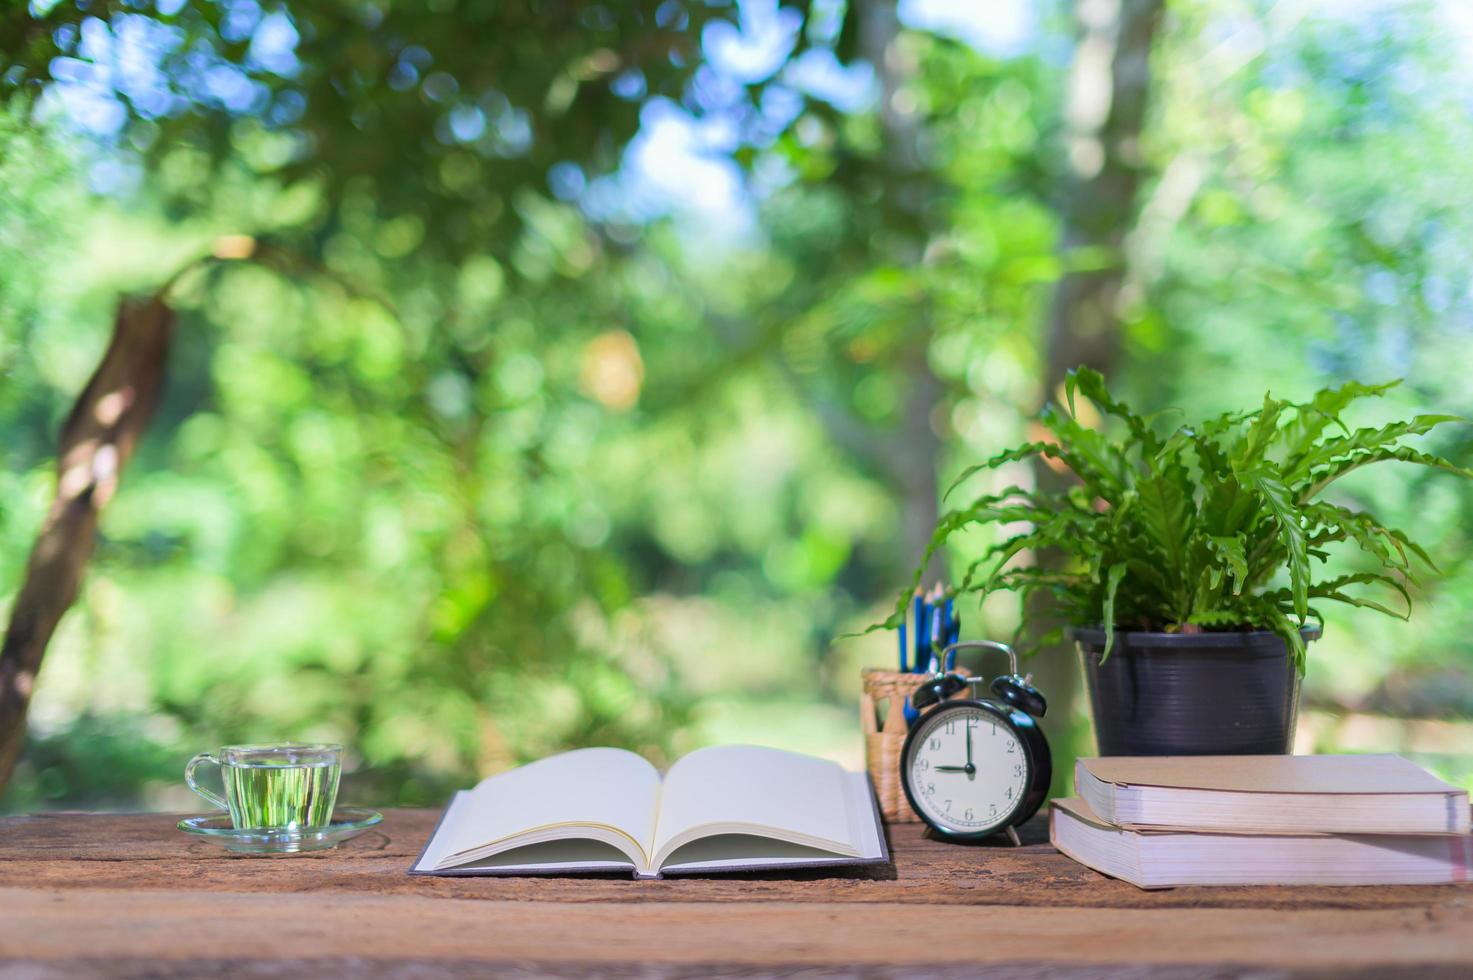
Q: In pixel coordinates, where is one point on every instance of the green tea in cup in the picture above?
(277, 786)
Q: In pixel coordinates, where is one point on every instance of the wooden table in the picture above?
(107, 895)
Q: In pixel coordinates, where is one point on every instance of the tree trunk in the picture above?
(97, 440)
(908, 195)
(1109, 85)
(1106, 107)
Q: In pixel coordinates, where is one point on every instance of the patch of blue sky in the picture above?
(139, 45)
(273, 46)
(122, 63)
(819, 74)
(85, 88)
(83, 97)
(239, 20)
(233, 89)
(676, 162)
(629, 85)
(680, 161)
(1001, 28)
(757, 45)
(467, 123)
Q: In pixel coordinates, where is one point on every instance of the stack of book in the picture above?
(1264, 820)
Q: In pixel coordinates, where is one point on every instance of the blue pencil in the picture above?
(904, 653)
(918, 619)
(938, 638)
(923, 634)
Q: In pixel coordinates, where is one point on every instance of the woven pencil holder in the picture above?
(884, 739)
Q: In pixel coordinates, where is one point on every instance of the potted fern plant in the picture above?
(1192, 560)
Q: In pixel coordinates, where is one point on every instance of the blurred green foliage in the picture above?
(467, 470)
(444, 114)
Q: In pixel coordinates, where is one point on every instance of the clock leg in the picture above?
(1013, 836)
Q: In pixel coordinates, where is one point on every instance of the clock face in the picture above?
(967, 791)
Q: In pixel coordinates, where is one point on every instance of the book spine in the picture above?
(1458, 813)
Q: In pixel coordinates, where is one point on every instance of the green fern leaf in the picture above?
(1231, 551)
(1093, 458)
(1291, 534)
(1323, 476)
(1323, 411)
(1251, 446)
(1112, 585)
(1165, 502)
(1092, 384)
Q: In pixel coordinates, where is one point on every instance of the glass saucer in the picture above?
(347, 822)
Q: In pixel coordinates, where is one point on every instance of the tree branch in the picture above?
(97, 440)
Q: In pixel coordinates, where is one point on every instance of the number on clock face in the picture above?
(950, 796)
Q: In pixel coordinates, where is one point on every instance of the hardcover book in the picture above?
(727, 808)
(1351, 794)
(1169, 858)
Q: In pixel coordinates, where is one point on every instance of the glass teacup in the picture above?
(277, 786)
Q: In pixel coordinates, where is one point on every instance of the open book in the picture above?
(728, 808)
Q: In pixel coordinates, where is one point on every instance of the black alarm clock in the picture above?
(975, 766)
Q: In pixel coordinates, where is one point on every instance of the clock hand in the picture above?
(970, 768)
(966, 768)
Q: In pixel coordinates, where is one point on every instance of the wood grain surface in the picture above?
(129, 895)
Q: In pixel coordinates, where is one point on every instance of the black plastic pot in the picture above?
(1191, 694)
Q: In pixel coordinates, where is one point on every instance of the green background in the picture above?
(495, 454)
